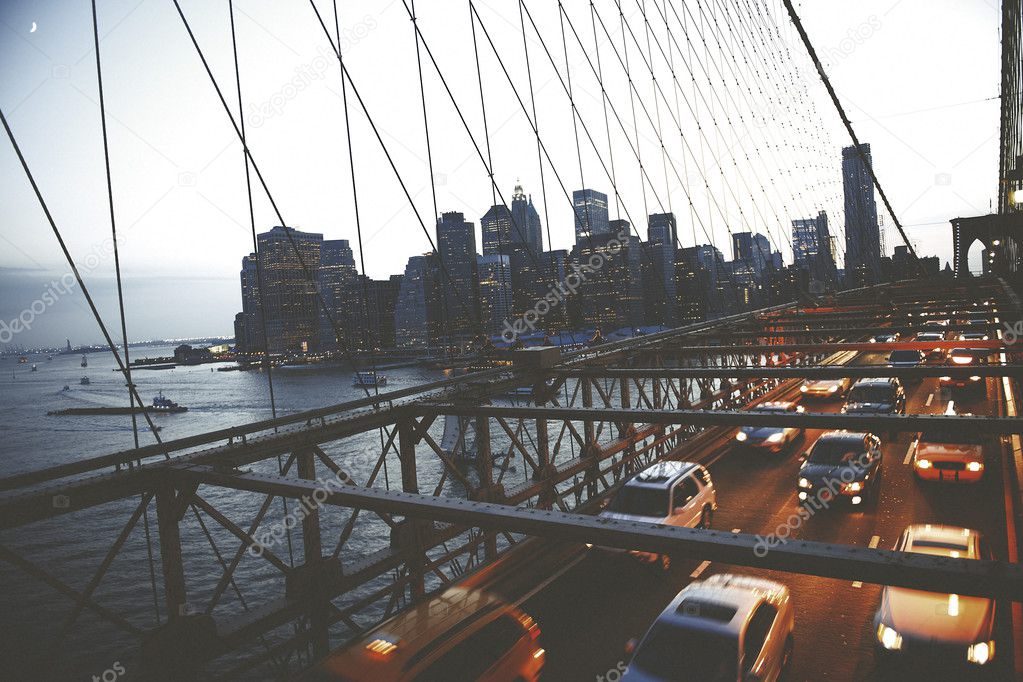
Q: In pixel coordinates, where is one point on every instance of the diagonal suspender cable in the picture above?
(848, 125)
(259, 267)
(120, 296)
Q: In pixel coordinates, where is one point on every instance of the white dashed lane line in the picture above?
(699, 569)
(930, 399)
(873, 545)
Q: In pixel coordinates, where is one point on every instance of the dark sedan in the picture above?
(842, 466)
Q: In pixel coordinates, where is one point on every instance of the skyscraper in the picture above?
(862, 237)
(499, 232)
(527, 220)
(456, 244)
(289, 289)
(417, 311)
(660, 282)
(495, 291)
(752, 251)
(338, 279)
(591, 218)
(812, 247)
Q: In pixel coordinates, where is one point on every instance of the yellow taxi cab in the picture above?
(463, 635)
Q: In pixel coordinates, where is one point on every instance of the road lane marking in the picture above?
(699, 569)
(930, 399)
(909, 452)
(554, 576)
(872, 545)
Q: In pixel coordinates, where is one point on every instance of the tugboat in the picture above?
(368, 379)
(85, 361)
(34, 369)
(162, 404)
(84, 381)
(22, 359)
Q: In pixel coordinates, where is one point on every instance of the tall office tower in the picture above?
(376, 315)
(527, 220)
(290, 300)
(499, 233)
(753, 251)
(660, 283)
(251, 339)
(495, 282)
(417, 312)
(862, 237)
(338, 278)
(812, 247)
(456, 244)
(607, 290)
(591, 218)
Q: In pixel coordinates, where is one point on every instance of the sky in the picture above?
(919, 79)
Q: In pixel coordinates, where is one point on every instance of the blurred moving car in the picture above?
(463, 635)
(826, 388)
(936, 353)
(841, 466)
(973, 336)
(949, 454)
(965, 357)
(771, 438)
(886, 338)
(670, 493)
(949, 631)
(905, 358)
(876, 396)
(727, 628)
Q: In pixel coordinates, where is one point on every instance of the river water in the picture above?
(71, 547)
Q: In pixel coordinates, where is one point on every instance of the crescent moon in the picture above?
(33, 29)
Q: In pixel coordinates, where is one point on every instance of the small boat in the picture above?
(66, 387)
(85, 361)
(368, 379)
(84, 381)
(22, 360)
(163, 404)
(34, 369)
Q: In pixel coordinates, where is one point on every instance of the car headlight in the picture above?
(776, 437)
(975, 378)
(890, 639)
(804, 388)
(833, 389)
(741, 436)
(804, 483)
(854, 487)
(974, 466)
(946, 378)
(923, 464)
(981, 652)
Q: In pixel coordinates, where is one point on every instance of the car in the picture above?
(973, 336)
(949, 454)
(978, 320)
(725, 628)
(905, 358)
(936, 353)
(885, 338)
(876, 396)
(941, 324)
(670, 493)
(965, 357)
(842, 466)
(771, 438)
(950, 632)
(462, 634)
(826, 388)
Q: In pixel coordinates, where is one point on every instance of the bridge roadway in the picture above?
(589, 605)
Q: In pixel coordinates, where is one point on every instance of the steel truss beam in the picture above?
(995, 579)
(797, 372)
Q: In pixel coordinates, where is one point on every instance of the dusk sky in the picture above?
(919, 79)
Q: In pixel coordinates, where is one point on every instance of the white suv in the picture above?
(723, 629)
(671, 493)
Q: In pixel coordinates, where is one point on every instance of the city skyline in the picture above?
(166, 220)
